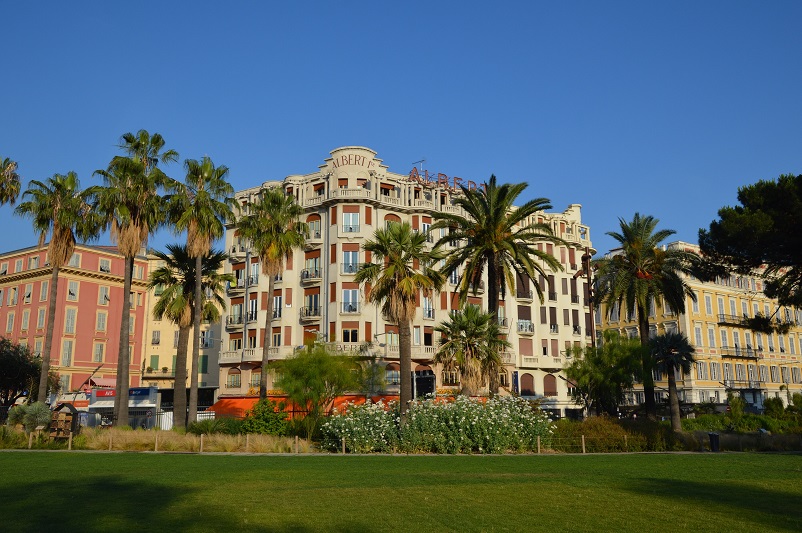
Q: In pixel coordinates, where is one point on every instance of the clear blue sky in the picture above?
(660, 107)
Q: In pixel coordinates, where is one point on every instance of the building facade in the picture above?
(730, 357)
(316, 298)
(88, 311)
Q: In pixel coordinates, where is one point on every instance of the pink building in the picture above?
(88, 313)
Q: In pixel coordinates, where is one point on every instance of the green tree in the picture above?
(19, 372)
(9, 181)
(765, 231)
(176, 278)
(200, 208)
(470, 343)
(601, 374)
(131, 204)
(496, 236)
(313, 378)
(273, 227)
(641, 272)
(401, 268)
(61, 210)
(672, 352)
(266, 418)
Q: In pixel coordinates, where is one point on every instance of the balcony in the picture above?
(276, 313)
(349, 268)
(309, 314)
(525, 295)
(577, 330)
(739, 384)
(309, 275)
(158, 373)
(733, 320)
(574, 298)
(552, 296)
(351, 228)
(503, 323)
(235, 321)
(526, 327)
(350, 192)
(507, 358)
(237, 253)
(237, 287)
(428, 313)
(554, 328)
(741, 353)
(350, 307)
(313, 240)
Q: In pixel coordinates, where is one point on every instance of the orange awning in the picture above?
(233, 407)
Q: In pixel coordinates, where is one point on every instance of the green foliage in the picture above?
(210, 426)
(605, 434)
(773, 407)
(11, 438)
(737, 406)
(30, 416)
(266, 418)
(602, 373)
(745, 423)
(313, 378)
(19, 371)
(465, 425)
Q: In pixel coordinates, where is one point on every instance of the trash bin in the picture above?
(714, 441)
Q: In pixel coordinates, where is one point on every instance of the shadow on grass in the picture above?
(766, 508)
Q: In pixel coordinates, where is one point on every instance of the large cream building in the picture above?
(345, 200)
(729, 356)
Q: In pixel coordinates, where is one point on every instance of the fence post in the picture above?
(343, 444)
(626, 444)
(296, 444)
(110, 439)
(156, 441)
(201, 444)
(538, 444)
(69, 442)
(583, 444)
(247, 442)
(30, 440)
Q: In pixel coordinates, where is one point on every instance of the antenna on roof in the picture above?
(422, 161)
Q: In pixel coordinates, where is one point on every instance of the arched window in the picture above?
(527, 385)
(549, 385)
(313, 223)
(393, 374)
(391, 219)
(233, 380)
(256, 377)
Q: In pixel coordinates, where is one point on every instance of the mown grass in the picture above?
(91, 491)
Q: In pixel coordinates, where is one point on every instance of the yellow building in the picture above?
(349, 196)
(730, 357)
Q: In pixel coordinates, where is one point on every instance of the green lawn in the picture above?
(88, 492)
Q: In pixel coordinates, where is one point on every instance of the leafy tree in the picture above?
(641, 272)
(9, 181)
(132, 206)
(177, 303)
(672, 352)
(266, 418)
(313, 378)
(764, 231)
(601, 374)
(19, 371)
(272, 225)
(61, 210)
(200, 207)
(401, 268)
(774, 407)
(496, 236)
(470, 343)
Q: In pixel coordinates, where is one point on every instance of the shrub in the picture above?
(266, 418)
(773, 407)
(369, 427)
(210, 426)
(30, 416)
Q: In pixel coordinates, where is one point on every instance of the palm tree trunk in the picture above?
(492, 308)
(647, 363)
(268, 335)
(123, 359)
(180, 382)
(405, 360)
(673, 401)
(197, 307)
(51, 324)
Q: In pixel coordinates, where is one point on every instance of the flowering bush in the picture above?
(498, 425)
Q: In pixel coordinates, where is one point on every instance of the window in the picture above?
(727, 371)
(70, 318)
(714, 371)
(3, 269)
(416, 335)
(698, 334)
(764, 373)
(103, 295)
(350, 262)
(233, 380)
(739, 372)
(10, 323)
(314, 229)
(350, 300)
(695, 305)
(75, 260)
(18, 265)
(701, 370)
(1, 297)
(26, 317)
(37, 347)
(708, 304)
(256, 378)
(392, 375)
(724, 339)
(775, 376)
(131, 325)
(72, 291)
(105, 265)
(43, 291)
(276, 306)
(64, 382)
(350, 335)
(156, 337)
(12, 296)
(796, 374)
(100, 323)
(428, 307)
(66, 352)
(276, 339)
(450, 377)
(784, 372)
(40, 317)
(97, 353)
(28, 293)
(771, 342)
(350, 222)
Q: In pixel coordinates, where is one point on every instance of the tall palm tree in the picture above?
(273, 227)
(401, 268)
(672, 352)
(9, 181)
(131, 204)
(642, 272)
(177, 279)
(200, 206)
(471, 344)
(60, 209)
(496, 236)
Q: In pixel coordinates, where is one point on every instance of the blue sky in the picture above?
(665, 108)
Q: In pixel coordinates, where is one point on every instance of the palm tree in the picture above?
(177, 279)
(200, 206)
(9, 181)
(672, 352)
(401, 268)
(59, 208)
(496, 236)
(273, 227)
(471, 343)
(131, 205)
(641, 272)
